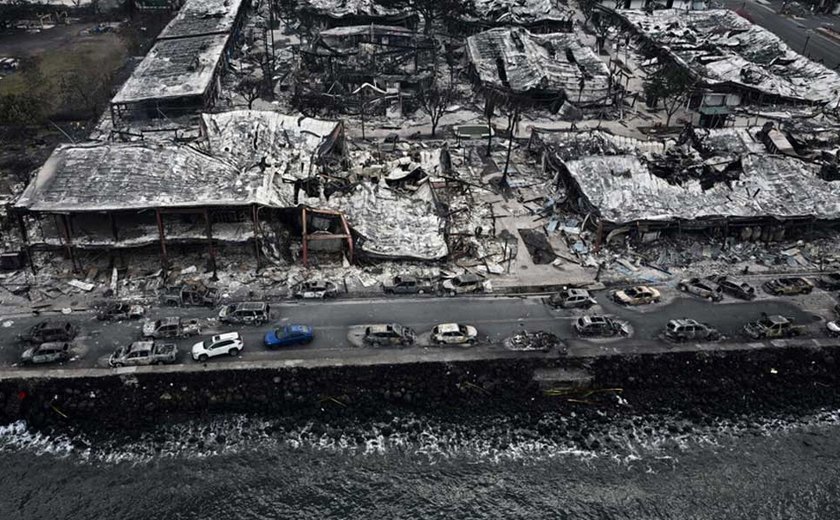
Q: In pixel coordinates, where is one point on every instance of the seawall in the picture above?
(689, 382)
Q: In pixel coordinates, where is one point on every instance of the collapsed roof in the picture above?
(623, 189)
(202, 17)
(174, 68)
(521, 12)
(518, 62)
(393, 225)
(720, 48)
(248, 157)
(337, 9)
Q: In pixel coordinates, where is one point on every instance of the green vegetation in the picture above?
(74, 82)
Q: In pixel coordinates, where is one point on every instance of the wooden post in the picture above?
(305, 247)
(114, 230)
(210, 248)
(25, 236)
(254, 216)
(164, 260)
(68, 241)
(600, 236)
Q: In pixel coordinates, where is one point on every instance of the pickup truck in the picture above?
(142, 353)
(409, 285)
(772, 327)
(190, 295)
(170, 328)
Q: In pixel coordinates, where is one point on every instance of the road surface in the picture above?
(495, 317)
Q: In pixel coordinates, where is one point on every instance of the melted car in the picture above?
(463, 284)
(572, 299)
(316, 290)
(789, 286)
(118, 311)
(771, 327)
(388, 334)
(687, 329)
(599, 326)
(52, 352)
(49, 331)
(736, 288)
(143, 353)
(702, 288)
(638, 295)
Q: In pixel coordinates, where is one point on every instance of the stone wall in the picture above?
(712, 383)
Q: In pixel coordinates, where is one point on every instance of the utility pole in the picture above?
(807, 38)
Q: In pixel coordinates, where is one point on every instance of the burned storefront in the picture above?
(733, 61)
(720, 180)
(229, 187)
(366, 68)
(537, 16)
(317, 15)
(181, 72)
(543, 71)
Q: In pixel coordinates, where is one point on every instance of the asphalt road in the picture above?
(495, 318)
(793, 32)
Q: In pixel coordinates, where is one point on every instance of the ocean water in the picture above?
(546, 465)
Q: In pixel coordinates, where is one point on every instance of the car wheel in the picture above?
(233, 352)
(118, 365)
(203, 358)
(421, 291)
(471, 342)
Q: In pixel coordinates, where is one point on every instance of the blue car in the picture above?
(289, 335)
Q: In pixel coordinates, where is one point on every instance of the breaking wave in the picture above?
(623, 439)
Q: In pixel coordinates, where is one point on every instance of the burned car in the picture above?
(687, 329)
(316, 290)
(788, 286)
(735, 288)
(771, 327)
(409, 285)
(118, 311)
(142, 353)
(572, 299)
(245, 313)
(190, 295)
(539, 341)
(170, 328)
(49, 331)
(463, 284)
(600, 326)
(638, 295)
(388, 334)
(702, 288)
(52, 352)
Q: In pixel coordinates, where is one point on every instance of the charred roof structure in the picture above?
(202, 17)
(326, 14)
(179, 74)
(541, 70)
(714, 178)
(245, 161)
(727, 53)
(340, 60)
(538, 16)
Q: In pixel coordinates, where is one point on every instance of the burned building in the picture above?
(218, 190)
(718, 179)
(392, 60)
(541, 70)
(735, 61)
(180, 74)
(537, 16)
(318, 15)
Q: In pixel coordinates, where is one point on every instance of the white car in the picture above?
(454, 334)
(230, 343)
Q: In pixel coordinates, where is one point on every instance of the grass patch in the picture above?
(94, 60)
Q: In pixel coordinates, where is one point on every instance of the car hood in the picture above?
(271, 337)
(149, 327)
(471, 331)
(198, 347)
(28, 353)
